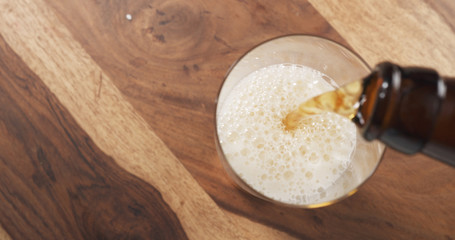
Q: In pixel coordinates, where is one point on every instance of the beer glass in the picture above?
(330, 58)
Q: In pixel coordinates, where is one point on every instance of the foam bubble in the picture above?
(293, 167)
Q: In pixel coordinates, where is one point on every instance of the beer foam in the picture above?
(295, 167)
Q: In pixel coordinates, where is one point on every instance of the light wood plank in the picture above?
(256, 230)
(3, 234)
(406, 32)
(47, 47)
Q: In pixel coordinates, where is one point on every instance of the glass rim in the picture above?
(238, 178)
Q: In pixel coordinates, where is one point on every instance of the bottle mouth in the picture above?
(371, 101)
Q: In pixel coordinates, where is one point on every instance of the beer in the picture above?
(343, 101)
(292, 167)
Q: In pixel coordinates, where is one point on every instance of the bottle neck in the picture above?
(442, 142)
(398, 106)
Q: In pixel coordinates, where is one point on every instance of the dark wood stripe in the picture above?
(55, 183)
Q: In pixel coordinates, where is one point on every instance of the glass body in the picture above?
(333, 60)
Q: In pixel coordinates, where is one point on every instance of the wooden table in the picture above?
(106, 119)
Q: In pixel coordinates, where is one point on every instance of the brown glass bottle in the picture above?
(409, 109)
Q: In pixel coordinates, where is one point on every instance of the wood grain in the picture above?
(256, 230)
(409, 33)
(4, 235)
(127, 90)
(189, 81)
(65, 187)
(186, 81)
(34, 32)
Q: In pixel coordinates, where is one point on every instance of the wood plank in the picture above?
(56, 183)
(444, 8)
(4, 235)
(45, 45)
(406, 32)
(257, 230)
